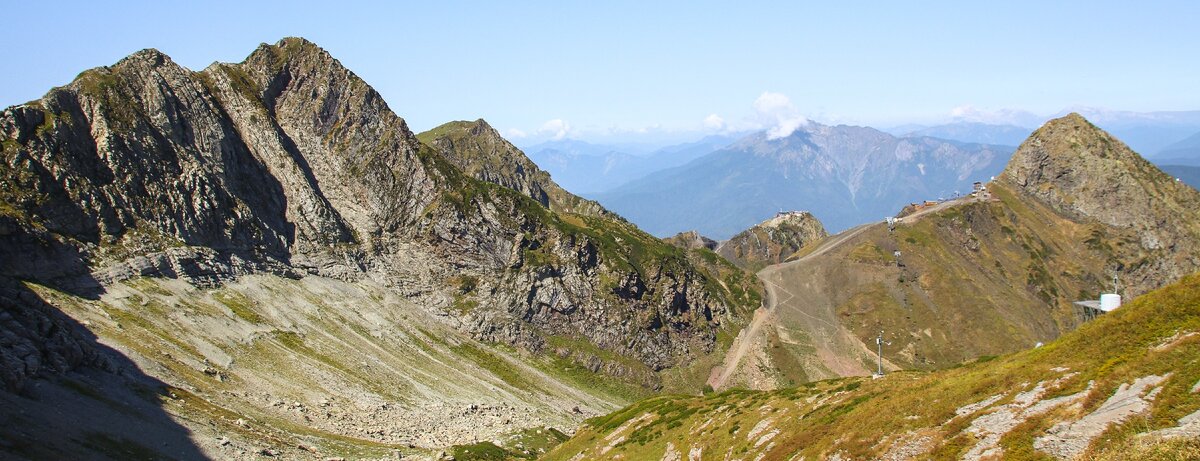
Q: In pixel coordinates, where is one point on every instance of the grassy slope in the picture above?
(979, 278)
(852, 416)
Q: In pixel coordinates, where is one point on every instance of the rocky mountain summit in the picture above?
(773, 240)
(1084, 173)
(288, 165)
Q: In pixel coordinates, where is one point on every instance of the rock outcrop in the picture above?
(37, 340)
(692, 240)
(773, 240)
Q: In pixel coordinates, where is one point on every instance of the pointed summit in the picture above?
(1082, 171)
(149, 55)
(1086, 174)
(289, 47)
(1047, 153)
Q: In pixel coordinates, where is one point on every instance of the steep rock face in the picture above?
(577, 262)
(1084, 173)
(773, 240)
(137, 145)
(480, 152)
(291, 164)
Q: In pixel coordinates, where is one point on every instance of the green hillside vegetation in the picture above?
(979, 277)
(1004, 273)
(929, 415)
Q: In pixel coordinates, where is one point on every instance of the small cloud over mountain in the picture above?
(714, 122)
(556, 128)
(777, 115)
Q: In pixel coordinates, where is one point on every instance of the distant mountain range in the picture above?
(1183, 152)
(1190, 175)
(1006, 135)
(584, 168)
(844, 175)
(1162, 137)
(665, 192)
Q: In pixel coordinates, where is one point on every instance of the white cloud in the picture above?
(557, 128)
(770, 103)
(970, 113)
(514, 133)
(714, 122)
(786, 127)
(775, 111)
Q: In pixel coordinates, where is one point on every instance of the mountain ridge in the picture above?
(1002, 267)
(149, 179)
(489, 157)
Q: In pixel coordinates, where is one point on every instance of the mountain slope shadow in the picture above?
(65, 394)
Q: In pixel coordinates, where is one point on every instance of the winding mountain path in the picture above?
(762, 315)
(822, 325)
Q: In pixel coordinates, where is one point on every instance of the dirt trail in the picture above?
(821, 324)
(741, 346)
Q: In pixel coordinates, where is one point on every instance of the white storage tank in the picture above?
(1109, 301)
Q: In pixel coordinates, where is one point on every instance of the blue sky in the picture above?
(594, 69)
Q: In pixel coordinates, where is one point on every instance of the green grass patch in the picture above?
(241, 305)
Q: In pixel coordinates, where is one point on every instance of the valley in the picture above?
(261, 260)
(310, 367)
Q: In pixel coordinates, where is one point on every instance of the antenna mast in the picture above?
(879, 344)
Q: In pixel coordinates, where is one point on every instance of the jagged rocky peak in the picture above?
(691, 240)
(773, 240)
(1086, 174)
(480, 151)
(1082, 171)
(289, 163)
